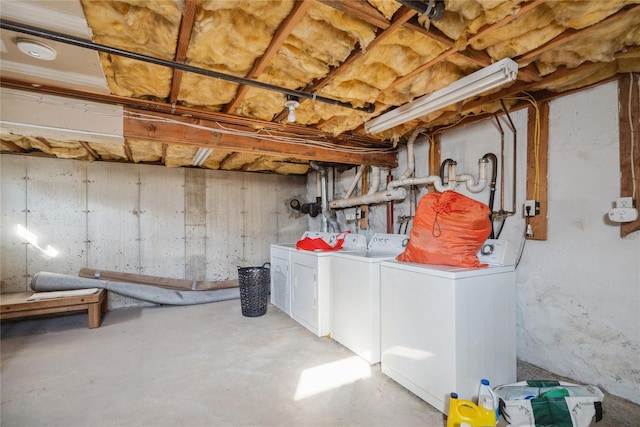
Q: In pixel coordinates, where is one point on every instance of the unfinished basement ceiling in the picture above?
(362, 58)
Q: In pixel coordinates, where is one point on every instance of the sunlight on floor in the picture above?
(331, 376)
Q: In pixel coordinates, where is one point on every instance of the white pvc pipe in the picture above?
(368, 199)
(411, 160)
(482, 178)
(356, 179)
(375, 180)
(395, 191)
(432, 179)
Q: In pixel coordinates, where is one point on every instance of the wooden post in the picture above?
(537, 168)
(629, 131)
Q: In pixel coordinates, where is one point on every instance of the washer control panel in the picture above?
(497, 252)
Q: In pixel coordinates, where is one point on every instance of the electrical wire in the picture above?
(263, 134)
(524, 240)
(536, 141)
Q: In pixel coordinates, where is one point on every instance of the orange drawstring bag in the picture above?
(448, 229)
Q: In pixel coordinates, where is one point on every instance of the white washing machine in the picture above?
(355, 294)
(444, 328)
(311, 283)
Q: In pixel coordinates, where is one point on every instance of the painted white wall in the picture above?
(176, 223)
(578, 292)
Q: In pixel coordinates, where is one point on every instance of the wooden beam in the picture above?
(127, 151)
(93, 153)
(433, 33)
(178, 111)
(12, 146)
(489, 28)
(473, 55)
(44, 142)
(168, 129)
(629, 116)
(359, 9)
(401, 16)
(537, 167)
(571, 34)
(184, 37)
(297, 13)
(163, 160)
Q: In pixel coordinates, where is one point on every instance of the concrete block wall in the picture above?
(190, 224)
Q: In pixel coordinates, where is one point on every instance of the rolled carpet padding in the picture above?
(46, 281)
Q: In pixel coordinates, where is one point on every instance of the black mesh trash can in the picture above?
(254, 289)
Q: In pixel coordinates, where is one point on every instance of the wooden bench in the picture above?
(16, 305)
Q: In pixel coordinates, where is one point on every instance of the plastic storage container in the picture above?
(254, 289)
(466, 413)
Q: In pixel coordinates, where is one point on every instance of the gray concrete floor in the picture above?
(204, 365)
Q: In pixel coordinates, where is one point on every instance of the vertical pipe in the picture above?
(389, 207)
(501, 163)
(513, 129)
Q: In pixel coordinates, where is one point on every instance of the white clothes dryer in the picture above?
(281, 269)
(311, 283)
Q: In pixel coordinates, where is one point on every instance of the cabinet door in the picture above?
(280, 280)
(304, 294)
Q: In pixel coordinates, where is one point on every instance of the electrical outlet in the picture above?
(624, 202)
(531, 208)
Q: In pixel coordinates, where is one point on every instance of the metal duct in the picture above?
(327, 218)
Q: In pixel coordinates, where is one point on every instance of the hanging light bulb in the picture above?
(292, 103)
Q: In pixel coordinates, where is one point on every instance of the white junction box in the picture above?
(624, 210)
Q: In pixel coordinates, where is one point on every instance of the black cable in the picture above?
(88, 44)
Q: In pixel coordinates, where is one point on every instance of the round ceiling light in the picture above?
(36, 49)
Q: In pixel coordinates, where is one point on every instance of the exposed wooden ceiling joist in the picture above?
(184, 37)
(169, 129)
(299, 9)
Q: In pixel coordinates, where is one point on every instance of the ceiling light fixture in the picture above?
(487, 78)
(201, 156)
(36, 49)
(292, 103)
